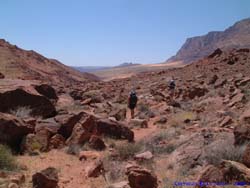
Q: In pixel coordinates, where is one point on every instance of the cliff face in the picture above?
(236, 36)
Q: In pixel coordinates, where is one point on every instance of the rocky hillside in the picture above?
(236, 36)
(17, 63)
(83, 136)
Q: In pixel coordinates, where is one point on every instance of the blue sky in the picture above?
(110, 32)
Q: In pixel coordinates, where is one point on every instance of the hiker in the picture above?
(171, 87)
(132, 101)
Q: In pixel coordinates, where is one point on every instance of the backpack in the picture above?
(133, 98)
(172, 84)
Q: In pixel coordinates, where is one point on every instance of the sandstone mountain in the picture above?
(236, 36)
(16, 63)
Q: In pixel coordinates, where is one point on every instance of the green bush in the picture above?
(7, 160)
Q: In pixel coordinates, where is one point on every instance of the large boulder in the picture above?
(47, 91)
(56, 142)
(10, 179)
(241, 134)
(210, 174)
(114, 129)
(95, 169)
(47, 178)
(39, 105)
(119, 114)
(12, 130)
(234, 172)
(49, 124)
(34, 143)
(67, 122)
(139, 177)
(96, 143)
(82, 131)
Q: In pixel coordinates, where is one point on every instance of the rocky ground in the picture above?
(81, 135)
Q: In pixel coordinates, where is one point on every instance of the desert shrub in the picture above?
(152, 144)
(7, 160)
(224, 151)
(247, 94)
(127, 151)
(179, 118)
(109, 142)
(36, 145)
(22, 112)
(142, 107)
(73, 149)
(94, 95)
(115, 171)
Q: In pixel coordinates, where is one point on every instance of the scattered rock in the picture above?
(119, 114)
(68, 122)
(85, 155)
(82, 131)
(96, 169)
(46, 91)
(49, 124)
(138, 123)
(12, 130)
(210, 174)
(47, 178)
(226, 121)
(56, 142)
(139, 177)
(241, 134)
(213, 79)
(86, 101)
(216, 53)
(144, 156)
(97, 143)
(77, 94)
(123, 184)
(161, 120)
(30, 145)
(13, 185)
(245, 117)
(220, 83)
(234, 172)
(195, 92)
(239, 97)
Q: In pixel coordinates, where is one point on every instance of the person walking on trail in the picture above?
(171, 87)
(132, 101)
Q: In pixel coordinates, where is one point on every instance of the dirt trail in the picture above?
(71, 170)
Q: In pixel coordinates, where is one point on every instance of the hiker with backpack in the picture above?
(132, 101)
(171, 87)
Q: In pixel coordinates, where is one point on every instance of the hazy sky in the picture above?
(110, 32)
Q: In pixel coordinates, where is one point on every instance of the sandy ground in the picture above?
(71, 169)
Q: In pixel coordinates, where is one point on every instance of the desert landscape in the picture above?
(61, 128)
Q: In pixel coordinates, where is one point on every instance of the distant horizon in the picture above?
(109, 33)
